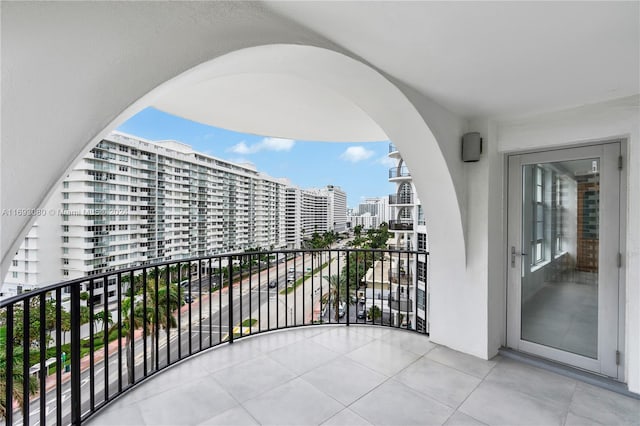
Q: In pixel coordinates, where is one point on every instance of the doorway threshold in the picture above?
(571, 372)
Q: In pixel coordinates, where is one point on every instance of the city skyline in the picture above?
(307, 164)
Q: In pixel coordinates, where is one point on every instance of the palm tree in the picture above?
(165, 317)
(338, 293)
(129, 325)
(18, 380)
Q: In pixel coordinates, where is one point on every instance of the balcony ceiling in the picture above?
(477, 59)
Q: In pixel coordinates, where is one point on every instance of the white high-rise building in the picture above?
(408, 225)
(337, 208)
(133, 202)
(307, 212)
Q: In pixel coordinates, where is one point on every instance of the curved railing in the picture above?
(399, 172)
(156, 315)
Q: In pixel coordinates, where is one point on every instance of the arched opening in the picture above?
(379, 109)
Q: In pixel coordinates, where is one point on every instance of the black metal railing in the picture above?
(72, 347)
(401, 225)
(401, 199)
(396, 172)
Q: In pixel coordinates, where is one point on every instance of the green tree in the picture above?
(374, 313)
(164, 319)
(357, 230)
(18, 380)
(338, 293)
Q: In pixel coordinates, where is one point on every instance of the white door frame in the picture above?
(611, 297)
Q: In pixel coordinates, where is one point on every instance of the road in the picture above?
(207, 321)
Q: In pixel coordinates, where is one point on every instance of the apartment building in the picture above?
(307, 212)
(337, 208)
(370, 213)
(133, 202)
(408, 225)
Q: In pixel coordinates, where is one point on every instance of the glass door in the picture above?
(563, 290)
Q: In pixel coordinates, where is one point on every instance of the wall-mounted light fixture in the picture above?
(471, 147)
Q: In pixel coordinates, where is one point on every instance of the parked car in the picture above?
(291, 270)
(273, 284)
(188, 298)
(361, 314)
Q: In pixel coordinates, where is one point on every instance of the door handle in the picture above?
(514, 253)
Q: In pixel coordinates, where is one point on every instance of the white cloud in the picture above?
(355, 154)
(266, 144)
(387, 161)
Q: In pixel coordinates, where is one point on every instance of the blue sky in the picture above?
(359, 168)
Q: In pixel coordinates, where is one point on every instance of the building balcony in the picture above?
(319, 370)
(401, 225)
(397, 173)
(400, 200)
(360, 375)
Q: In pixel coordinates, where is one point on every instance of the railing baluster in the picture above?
(179, 311)
(210, 305)
(348, 287)
(59, 363)
(119, 313)
(221, 277)
(26, 346)
(169, 313)
(230, 304)
(131, 362)
(199, 305)
(269, 293)
(144, 322)
(251, 292)
(156, 318)
(304, 287)
(76, 410)
(9, 342)
(189, 308)
(242, 259)
(105, 335)
(92, 370)
(43, 355)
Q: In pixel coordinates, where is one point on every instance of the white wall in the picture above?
(598, 122)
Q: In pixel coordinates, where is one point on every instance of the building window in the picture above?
(538, 216)
(14, 274)
(421, 299)
(65, 184)
(65, 228)
(422, 242)
(422, 271)
(65, 239)
(65, 195)
(14, 263)
(65, 272)
(65, 261)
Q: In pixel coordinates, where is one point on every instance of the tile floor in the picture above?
(360, 375)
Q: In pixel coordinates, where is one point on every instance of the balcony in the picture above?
(399, 173)
(400, 200)
(401, 225)
(374, 371)
(360, 375)
(201, 314)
